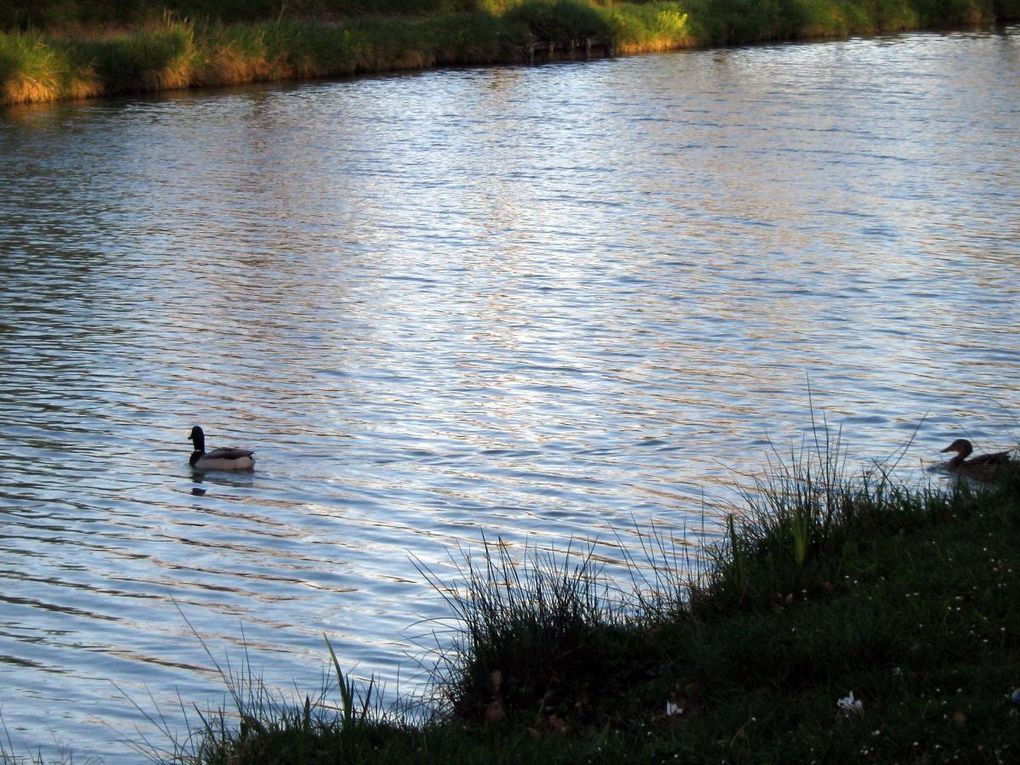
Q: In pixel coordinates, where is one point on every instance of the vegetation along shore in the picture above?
(839, 619)
(66, 49)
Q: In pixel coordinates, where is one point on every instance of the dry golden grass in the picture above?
(175, 76)
(21, 89)
(24, 89)
(228, 66)
(658, 45)
(84, 83)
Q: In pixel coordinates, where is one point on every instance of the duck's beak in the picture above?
(947, 449)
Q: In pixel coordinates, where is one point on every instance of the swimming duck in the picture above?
(218, 459)
(983, 466)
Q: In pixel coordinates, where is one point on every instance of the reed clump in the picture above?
(60, 49)
(158, 57)
(33, 69)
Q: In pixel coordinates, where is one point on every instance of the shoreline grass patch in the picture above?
(844, 619)
(528, 629)
(34, 69)
(152, 59)
(66, 49)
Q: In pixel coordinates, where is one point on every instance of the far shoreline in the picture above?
(170, 53)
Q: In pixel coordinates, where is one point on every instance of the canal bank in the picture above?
(839, 621)
(51, 52)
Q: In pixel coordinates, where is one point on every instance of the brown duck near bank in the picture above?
(983, 466)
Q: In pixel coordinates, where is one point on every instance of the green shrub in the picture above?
(530, 628)
(559, 21)
(474, 38)
(153, 59)
(650, 26)
(33, 68)
(29, 68)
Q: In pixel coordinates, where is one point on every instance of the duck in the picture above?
(218, 459)
(983, 466)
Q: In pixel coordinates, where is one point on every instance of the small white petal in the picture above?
(850, 704)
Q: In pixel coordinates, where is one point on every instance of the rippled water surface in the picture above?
(530, 303)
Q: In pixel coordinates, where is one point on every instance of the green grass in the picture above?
(823, 584)
(158, 58)
(33, 68)
(59, 49)
(763, 16)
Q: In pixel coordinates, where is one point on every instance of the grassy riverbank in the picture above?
(65, 49)
(824, 585)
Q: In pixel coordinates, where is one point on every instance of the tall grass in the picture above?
(558, 21)
(61, 14)
(545, 637)
(343, 718)
(529, 628)
(34, 69)
(801, 522)
(100, 47)
(648, 27)
(738, 22)
(158, 57)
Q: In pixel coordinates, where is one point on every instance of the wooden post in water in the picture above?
(546, 50)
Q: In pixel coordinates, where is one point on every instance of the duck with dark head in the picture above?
(218, 459)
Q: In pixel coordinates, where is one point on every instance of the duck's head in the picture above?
(961, 446)
(198, 436)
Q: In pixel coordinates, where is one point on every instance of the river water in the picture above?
(539, 304)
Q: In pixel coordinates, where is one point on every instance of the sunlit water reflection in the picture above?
(537, 304)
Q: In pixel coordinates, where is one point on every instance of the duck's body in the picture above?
(983, 466)
(218, 459)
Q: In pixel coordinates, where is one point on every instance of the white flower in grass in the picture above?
(849, 705)
(673, 709)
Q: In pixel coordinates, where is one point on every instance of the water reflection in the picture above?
(530, 303)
